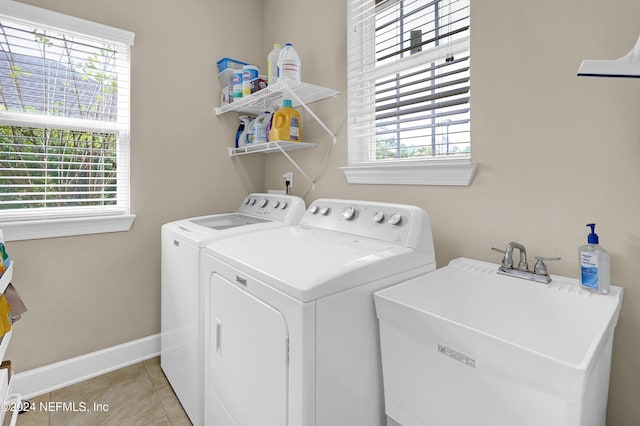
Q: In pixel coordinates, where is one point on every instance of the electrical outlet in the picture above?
(288, 177)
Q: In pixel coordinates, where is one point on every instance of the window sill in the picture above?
(418, 172)
(50, 228)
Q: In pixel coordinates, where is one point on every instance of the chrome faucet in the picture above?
(539, 273)
(507, 260)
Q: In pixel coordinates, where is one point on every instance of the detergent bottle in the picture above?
(289, 65)
(248, 131)
(260, 128)
(241, 139)
(272, 63)
(285, 125)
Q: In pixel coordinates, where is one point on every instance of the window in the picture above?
(64, 124)
(409, 92)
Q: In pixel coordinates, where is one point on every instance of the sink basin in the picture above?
(507, 350)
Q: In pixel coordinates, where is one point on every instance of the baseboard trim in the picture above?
(54, 376)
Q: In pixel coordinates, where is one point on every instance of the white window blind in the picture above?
(64, 116)
(408, 82)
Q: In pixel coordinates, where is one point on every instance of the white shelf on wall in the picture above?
(301, 94)
(269, 147)
(266, 99)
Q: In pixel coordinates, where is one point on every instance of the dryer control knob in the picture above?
(283, 205)
(325, 211)
(313, 209)
(247, 200)
(252, 201)
(349, 213)
(275, 204)
(378, 217)
(395, 219)
(263, 202)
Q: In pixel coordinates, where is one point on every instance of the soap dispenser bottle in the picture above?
(594, 265)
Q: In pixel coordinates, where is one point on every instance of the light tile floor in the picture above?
(136, 395)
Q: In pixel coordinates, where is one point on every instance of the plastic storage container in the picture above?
(285, 125)
(225, 63)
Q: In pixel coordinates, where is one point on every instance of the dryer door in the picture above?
(248, 347)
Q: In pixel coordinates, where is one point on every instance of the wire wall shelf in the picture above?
(269, 147)
(271, 96)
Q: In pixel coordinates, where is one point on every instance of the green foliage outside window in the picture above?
(54, 76)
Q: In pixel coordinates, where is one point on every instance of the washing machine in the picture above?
(181, 347)
(291, 335)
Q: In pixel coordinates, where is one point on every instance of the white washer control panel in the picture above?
(398, 223)
(273, 206)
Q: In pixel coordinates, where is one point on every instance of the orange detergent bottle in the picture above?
(286, 124)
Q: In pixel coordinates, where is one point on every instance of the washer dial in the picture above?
(378, 217)
(395, 219)
(349, 213)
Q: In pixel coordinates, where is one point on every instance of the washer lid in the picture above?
(257, 211)
(226, 221)
(310, 263)
(204, 229)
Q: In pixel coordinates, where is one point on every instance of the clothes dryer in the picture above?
(291, 336)
(181, 347)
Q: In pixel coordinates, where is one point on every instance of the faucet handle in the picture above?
(540, 268)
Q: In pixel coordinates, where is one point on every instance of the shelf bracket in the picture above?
(311, 113)
(292, 161)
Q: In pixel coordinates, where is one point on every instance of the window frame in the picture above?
(81, 221)
(453, 170)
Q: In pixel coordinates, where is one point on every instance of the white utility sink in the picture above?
(465, 345)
